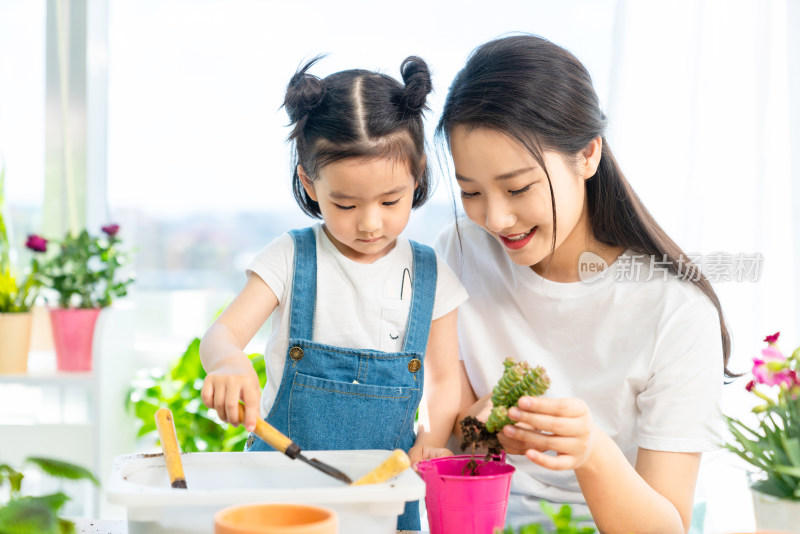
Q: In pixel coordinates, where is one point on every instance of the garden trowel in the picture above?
(273, 437)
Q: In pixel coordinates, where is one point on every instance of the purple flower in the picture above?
(110, 229)
(773, 338)
(36, 243)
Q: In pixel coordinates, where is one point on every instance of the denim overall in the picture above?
(335, 398)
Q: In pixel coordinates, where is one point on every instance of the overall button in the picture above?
(414, 365)
(296, 353)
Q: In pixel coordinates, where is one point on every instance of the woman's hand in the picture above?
(561, 425)
(234, 380)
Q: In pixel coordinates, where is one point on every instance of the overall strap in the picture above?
(422, 296)
(304, 284)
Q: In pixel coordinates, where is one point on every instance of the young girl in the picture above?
(635, 354)
(361, 318)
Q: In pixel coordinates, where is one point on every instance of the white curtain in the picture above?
(699, 109)
(702, 113)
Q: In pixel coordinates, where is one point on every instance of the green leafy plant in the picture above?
(562, 519)
(25, 514)
(772, 443)
(198, 428)
(17, 292)
(83, 270)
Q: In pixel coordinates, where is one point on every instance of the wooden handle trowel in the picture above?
(273, 437)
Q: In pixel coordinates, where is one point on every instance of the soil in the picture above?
(475, 436)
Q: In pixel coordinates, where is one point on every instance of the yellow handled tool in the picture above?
(391, 467)
(273, 437)
(169, 444)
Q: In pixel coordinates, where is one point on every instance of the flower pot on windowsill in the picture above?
(775, 513)
(73, 334)
(15, 342)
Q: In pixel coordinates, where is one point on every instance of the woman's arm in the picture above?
(230, 374)
(442, 393)
(656, 496)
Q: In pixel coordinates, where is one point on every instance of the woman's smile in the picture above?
(517, 241)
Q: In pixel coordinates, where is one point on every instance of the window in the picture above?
(198, 167)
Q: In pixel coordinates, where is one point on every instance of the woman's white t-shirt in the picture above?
(642, 348)
(359, 305)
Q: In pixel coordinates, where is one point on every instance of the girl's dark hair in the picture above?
(358, 114)
(541, 95)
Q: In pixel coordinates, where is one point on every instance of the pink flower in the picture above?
(36, 243)
(110, 229)
(750, 385)
(773, 338)
(772, 368)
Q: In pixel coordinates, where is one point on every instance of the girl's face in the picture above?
(505, 191)
(365, 204)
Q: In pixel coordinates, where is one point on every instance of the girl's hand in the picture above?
(417, 453)
(561, 425)
(234, 380)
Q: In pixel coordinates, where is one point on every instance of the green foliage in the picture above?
(562, 520)
(771, 442)
(5, 248)
(16, 295)
(519, 379)
(773, 447)
(38, 514)
(198, 428)
(61, 469)
(83, 271)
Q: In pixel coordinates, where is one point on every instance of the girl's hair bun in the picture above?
(417, 78)
(304, 92)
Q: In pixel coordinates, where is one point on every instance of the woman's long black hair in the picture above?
(541, 95)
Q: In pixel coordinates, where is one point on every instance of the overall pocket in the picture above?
(331, 415)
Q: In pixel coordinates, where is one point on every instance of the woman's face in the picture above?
(505, 191)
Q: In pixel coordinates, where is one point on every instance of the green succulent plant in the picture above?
(519, 379)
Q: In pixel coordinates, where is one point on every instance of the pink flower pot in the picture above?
(73, 332)
(464, 503)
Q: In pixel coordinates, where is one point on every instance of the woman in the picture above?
(565, 268)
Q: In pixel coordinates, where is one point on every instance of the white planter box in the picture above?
(217, 480)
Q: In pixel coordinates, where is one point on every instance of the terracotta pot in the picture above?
(276, 519)
(15, 342)
(73, 333)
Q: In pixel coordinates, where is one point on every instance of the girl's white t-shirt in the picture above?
(642, 348)
(359, 305)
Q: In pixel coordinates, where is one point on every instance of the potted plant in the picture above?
(770, 439)
(83, 271)
(40, 514)
(454, 484)
(17, 294)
